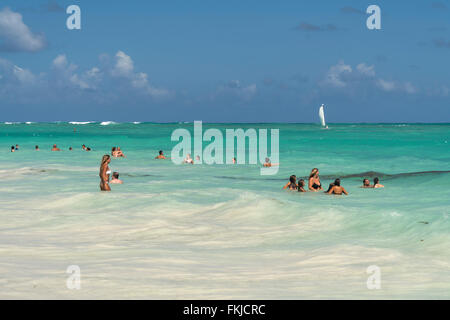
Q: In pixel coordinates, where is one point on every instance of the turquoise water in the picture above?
(224, 231)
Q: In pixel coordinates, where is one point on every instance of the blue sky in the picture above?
(225, 61)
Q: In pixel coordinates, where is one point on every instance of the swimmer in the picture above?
(55, 148)
(17, 147)
(376, 183)
(36, 148)
(83, 147)
(366, 184)
(292, 184)
(197, 158)
(70, 149)
(88, 149)
(330, 187)
(269, 163)
(104, 173)
(188, 159)
(120, 153)
(13, 149)
(115, 178)
(337, 189)
(301, 185)
(314, 180)
(233, 160)
(114, 152)
(161, 155)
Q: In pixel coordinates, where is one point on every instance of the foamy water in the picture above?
(174, 232)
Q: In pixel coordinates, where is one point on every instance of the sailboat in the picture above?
(322, 117)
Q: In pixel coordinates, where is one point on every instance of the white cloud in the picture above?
(335, 74)
(124, 68)
(235, 88)
(15, 34)
(409, 88)
(366, 70)
(386, 85)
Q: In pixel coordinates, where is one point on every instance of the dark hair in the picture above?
(365, 181)
(88, 149)
(376, 180)
(115, 175)
(337, 182)
(36, 147)
(12, 148)
(330, 187)
(113, 149)
(160, 152)
(293, 179)
(301, 182)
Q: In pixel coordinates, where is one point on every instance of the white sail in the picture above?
(322, 116)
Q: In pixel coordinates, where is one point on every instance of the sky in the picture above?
(224, 61)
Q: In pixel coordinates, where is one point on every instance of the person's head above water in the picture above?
(12, 148)
(366, 182)
(293, 179)
(161, 152)
(376, 180)
(115, 175)
(337, 182)
(301, 182)
(314, 172)
(36, 147)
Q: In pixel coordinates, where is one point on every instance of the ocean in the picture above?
(224, 231)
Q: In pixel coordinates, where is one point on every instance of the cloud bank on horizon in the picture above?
(78, 79)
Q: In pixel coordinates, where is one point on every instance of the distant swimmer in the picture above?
(120, 153)
(55, 148)
(36, 148)
(337, 189)
(197, 158)
(292, 184)
(88, 149)
(115, 178)
(188, 159)
(376, 183)
(314, 180)
(105, 173)
(301, 185)
(233, 160)
(13, 149)
(70, 149)
(83, 147)
(269, 163)
(161, 155)
(17, 147)
(114, 152)
(366, 184)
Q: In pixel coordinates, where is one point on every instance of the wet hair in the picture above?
(113, 149)
(105, 158)
(70, 148)
(293, 179)
(12, 147)
(330, 187)
(36, 147)
(301, 184)
(313, 172)
(337, 182)
(267, 160)
(160, 152)
(88, 149)
(115, 175)
(364, 181)
(376, 180)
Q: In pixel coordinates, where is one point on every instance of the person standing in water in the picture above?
(55, 148)
(292, 184)
(366, 184)
(314, 180)
(337, 189)
(13, 149)
(376, 183)
(301, 185)
(105, 173)
(161, 155)
(115, 178)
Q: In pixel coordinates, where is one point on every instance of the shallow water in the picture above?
(223, 231)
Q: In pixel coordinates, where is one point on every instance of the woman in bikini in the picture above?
(292, 184)
(337, 189)
(314, 181)
(105, 172)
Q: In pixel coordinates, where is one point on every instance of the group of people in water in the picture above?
(314, 184)
(54, 148)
